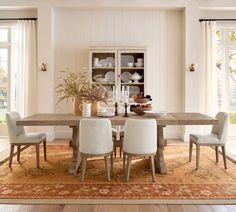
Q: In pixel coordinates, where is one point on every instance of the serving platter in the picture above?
(155, 113)
(104, 62)
(133, 90)
(126, 76)
(110, 76)
(125, 59)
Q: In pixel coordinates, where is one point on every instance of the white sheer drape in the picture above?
(209, 72)
(26, 79)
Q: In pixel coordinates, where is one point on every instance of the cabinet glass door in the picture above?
(132, 71)
(104, 70)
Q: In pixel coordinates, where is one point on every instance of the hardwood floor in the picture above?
(117, 208)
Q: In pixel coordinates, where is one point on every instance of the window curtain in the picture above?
(26, 67)
(209, 72)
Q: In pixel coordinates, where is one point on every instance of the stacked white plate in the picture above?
(105, 114)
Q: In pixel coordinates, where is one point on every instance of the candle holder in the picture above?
(116, 109)
(126, 113)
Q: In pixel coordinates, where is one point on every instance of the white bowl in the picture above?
(138, 64)
(130, 64)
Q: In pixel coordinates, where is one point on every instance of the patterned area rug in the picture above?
(182, 182)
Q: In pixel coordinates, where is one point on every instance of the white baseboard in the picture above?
(173, 135)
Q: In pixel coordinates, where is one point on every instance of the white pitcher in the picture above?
(86, 109)
(95, 61)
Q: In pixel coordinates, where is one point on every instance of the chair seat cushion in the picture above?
(30, 138)
(205, 138)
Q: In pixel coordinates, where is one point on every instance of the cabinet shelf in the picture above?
(132, 68)
(134, 83)
(106, 83)
(106, 68)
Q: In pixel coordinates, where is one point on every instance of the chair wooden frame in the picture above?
(109, 169)
(37, 147)
(117, 143)
(198, 152)
(129, 159)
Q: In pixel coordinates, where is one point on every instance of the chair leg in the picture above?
(197, 155)
(114, 150)
(224, 156)
(217, 154)
(124, 160)
(37, 155)
(129, 158)
(11, 155)
(121, 149)
(45, 150)
(107, 167)
(18, 153)
(153, 168)
(84, 160)
(111, 164)
(190, 150)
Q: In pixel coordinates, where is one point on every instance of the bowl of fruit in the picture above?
(141, 99)
(140, 109)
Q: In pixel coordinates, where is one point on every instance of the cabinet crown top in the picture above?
(119, 47)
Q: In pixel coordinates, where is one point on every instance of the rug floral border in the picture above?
(118, 191)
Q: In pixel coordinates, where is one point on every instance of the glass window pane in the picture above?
(232, 36)
(219, 57)
(232, 61)
(232, 117)
(220, 74)
(218, 36)
(3, 54)
(232, 81)
(3, 90)
(3, 35)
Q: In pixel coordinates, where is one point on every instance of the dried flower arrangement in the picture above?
(78, 85)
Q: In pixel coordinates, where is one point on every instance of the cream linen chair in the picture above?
(18, 137)
(95, 139)
(140, 139)
(218, 137)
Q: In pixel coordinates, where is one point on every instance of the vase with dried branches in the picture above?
(79, 87)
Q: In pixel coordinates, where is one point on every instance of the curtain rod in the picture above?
(16, 19)
(201, 20)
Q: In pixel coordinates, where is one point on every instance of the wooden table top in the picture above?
(69, 119)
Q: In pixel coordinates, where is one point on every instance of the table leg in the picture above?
(76, 160)
(160, 162)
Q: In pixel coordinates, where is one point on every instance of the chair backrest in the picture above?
(140, 136)
(95, 136)
(13, 130)
(221, 128)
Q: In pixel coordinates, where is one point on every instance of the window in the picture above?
(6, 97)
(226, 70)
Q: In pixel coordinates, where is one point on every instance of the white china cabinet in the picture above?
(116, 67)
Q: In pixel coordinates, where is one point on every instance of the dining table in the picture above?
(72, 121)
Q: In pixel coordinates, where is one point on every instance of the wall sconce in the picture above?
(193, 67)
(43, 67)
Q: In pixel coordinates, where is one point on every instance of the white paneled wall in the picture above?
(160, 31)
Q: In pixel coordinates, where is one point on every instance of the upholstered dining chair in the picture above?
(216, 138)
(140, 139)
(95, 140)
(18, 137)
